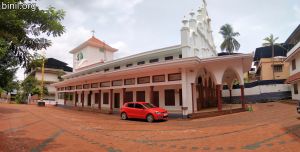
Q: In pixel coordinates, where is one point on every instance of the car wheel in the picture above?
(123, 116)
(150, 118)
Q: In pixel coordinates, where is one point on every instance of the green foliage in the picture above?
(29, 84)
(22, 30)
(1, 90)
(20, 98)
(35, 63)
(37, 91)
(270, 41)
(229, 44)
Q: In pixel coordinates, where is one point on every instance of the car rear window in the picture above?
(130, 105)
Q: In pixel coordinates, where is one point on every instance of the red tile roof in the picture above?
(93, 41)
(293, 78)
(99, 43)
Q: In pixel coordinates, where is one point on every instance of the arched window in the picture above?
(79, 56)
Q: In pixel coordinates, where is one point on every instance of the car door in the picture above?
(140, 111)
(130, 110)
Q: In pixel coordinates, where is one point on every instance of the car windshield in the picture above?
(149, 105)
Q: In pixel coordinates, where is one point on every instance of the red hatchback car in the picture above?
(143, 110)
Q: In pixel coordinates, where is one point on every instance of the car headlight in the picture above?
(158, 113)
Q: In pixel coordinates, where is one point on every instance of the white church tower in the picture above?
(90, 53)
(196, 35)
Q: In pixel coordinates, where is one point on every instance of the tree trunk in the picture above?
(273, 62)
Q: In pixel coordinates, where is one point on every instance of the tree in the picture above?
(22, 30)
(35, 63)
(229, 44)
(29, 85)
(271, 41)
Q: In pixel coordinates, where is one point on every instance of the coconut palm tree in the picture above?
(229, 44)
(271, 41)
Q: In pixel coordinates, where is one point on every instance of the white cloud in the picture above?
(296, 9)
(123, 49)
(133, 26)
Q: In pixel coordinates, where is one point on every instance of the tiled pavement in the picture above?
(271, 127)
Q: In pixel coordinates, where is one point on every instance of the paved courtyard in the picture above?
(271, 127)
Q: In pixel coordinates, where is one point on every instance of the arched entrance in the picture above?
(205, 90)
(232, 79)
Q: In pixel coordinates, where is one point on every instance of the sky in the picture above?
(135, 26)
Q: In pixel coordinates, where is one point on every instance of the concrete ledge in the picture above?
(215, 113)
(105, 111)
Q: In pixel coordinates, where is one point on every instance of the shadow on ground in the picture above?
(17, 142)
(4, 110)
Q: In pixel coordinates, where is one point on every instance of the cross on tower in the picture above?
(93, 32)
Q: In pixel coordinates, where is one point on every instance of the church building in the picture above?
(186, 78)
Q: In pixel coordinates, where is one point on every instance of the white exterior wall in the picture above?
(47, 76)
(297, 59)
(258, 90)
(295, 96)
(292, 72)
(91, 55)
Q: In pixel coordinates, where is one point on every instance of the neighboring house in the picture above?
(293, 58)
(186, 78)
(250, 76)
(265, 64)
(54, 69)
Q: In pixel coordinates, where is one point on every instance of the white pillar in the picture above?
(93, 99)
(186, 93)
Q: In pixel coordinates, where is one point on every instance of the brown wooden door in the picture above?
(180, 97)
(116, 100)
(82, 97)
(76, 98)
(156, 98)
(97, 98)
(170, 97)
(128, 97)
(140, 96)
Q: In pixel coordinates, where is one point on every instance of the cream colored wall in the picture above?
(267, 70)
(47, 76)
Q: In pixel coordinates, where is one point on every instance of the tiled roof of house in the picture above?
(293, 78)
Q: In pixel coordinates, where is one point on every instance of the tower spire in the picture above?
(204, 3)
(93, 33)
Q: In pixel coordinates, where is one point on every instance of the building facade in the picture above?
(269, 67)
(293, 58)
(54, 69)
(272, 69)
(184, 78)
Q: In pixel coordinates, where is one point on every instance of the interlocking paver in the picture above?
(271, 127)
